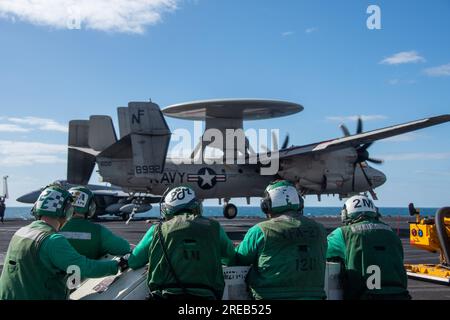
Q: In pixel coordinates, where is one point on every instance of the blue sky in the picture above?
(316, 53)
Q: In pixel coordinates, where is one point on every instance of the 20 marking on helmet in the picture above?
(180, 200)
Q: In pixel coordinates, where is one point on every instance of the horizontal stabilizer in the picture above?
(119, 150)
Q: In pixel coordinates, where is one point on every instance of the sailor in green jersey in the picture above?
(368, 248)
(185, 252)
(286, 252)
(90, 239)
(38, 257)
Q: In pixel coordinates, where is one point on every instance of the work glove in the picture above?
(122, 264)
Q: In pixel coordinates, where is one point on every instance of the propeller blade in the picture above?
(373, 194)
(353, 178)
(376, 161)
(371, 191)
(345, 130)
(324, 182)
(365, 175)
(274, 140)
(285, 142)
(359, 128)
(366, 146)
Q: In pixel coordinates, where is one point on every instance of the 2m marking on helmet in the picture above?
(367, 203)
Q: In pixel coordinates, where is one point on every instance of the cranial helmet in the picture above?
(83, 201)
(54, 201)
(358, 206)
(180, 200)
(281, 196)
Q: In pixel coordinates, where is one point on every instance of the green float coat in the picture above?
(37, 261)
(288, 258)
(93, 240)
(196, 246)
(369, 243)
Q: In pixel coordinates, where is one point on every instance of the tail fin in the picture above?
(81, 159)
(101, 132)
(145, 137)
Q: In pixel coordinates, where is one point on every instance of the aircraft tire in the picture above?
(230, 211)
(125, 216)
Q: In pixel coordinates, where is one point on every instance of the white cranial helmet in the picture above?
(180, 200)
(357, 206)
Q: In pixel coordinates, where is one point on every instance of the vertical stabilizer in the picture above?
(101, 132)
(81, 160)
(124, 123)
(150, 138)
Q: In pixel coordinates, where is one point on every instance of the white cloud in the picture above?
(355, 118)
(403, 57)
(20, 153)
(440, 71)
(12, 128)
(130, 16)
(288, 33)
(41, 123)
(393, 82)
(311, 30)
(416, 156)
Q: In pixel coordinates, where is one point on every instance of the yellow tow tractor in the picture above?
(431, 234)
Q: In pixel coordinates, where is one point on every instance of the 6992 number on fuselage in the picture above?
(147, 169)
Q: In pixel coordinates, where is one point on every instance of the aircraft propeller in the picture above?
(285, 142)
(275, 143)
(363, 156)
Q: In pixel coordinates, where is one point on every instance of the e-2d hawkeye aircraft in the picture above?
(137, 161)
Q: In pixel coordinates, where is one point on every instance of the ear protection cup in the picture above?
(344, 213)
(91, 209)
(199, 208)
(162, 204)
(266, 204)
(68, 208)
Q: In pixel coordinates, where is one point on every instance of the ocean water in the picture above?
(244, 211)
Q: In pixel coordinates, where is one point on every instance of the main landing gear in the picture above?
(230, 211)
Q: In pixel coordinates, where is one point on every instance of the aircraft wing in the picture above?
(363, 138)
(121, 194)
(112, 193)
